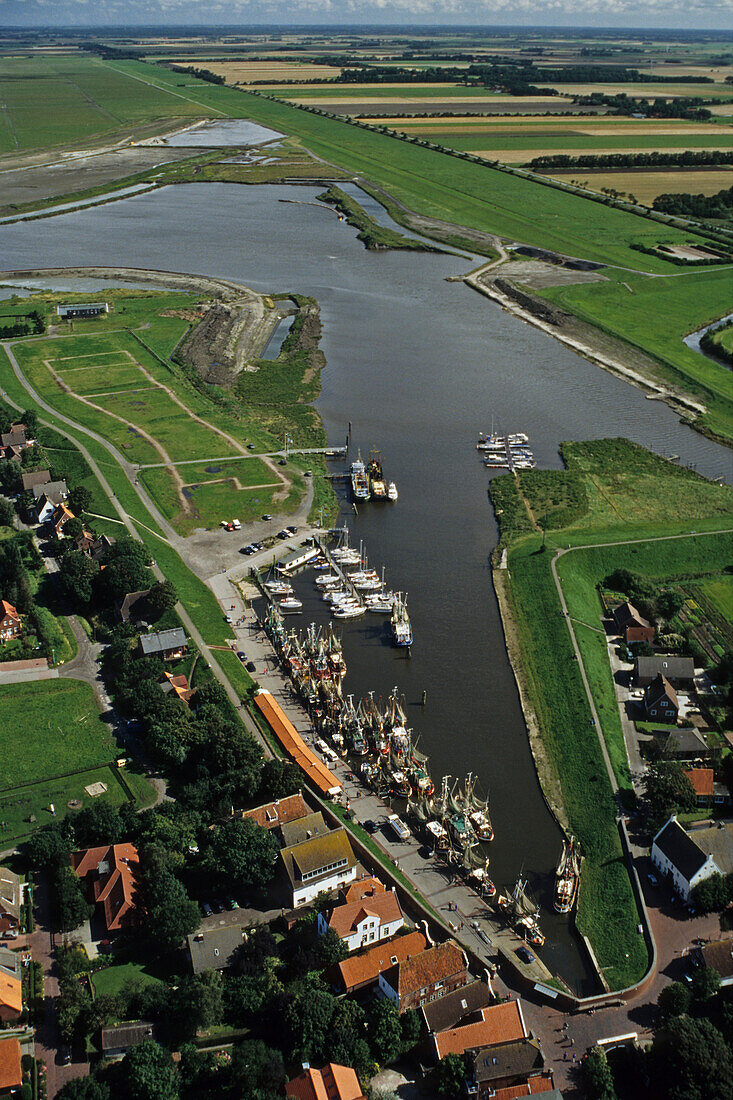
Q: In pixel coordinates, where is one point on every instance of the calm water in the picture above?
(418, 365)
(235, 131)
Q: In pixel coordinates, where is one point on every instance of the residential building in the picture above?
(177, 686)
(502, 1066)
(631, 625)
(717, 955)
(84, 542)
(707, 791)
(425, 977)
(11, 899)
(11, 1072)
(678, 671)
(59, 519)
(109, 874)
(33, 478)
(691, 857)
(11, 963)
(79, 309)
(116, 1041)
(10, 624)
(47, 498)
(453, 1009)
(333, 1082)
(100, 544)
(366, 912)
(214, 948)
(272, 815)
(134, 608)
(498, 1023)
(11, 997)
(660, 700)
(359, 971)
(14, 442)
(319, 865)
(168, 644)
(303, 828)
(686, 744)
(540, 1083)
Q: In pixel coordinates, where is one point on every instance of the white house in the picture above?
(366, 914)
(319, 865)
(690, 858)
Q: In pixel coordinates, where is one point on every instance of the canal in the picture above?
(418, 365)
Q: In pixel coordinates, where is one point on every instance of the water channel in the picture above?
(418, 365)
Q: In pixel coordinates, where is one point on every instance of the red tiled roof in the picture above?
(496, 1024)
(702, 780)
(436, 964)
(281, 812)
(384, 905)
(11, 992)
(358, 970)
(8, 609)
(113, 888)
(531, 1087)
(333, 1082)
(11, 1075)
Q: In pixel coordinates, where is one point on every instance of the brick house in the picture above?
(505, 1066)
(47, 498)
(109, 874)
(367, 912)
(272, 815)
(14, 442)
(60, 518)
(632, 626)
(11, 1073)
(11, 899)
(707, 791)
(319, 865)
(660, 700)
(10, 624)
(425, 977)
(169, 645)
(333, 1082)
(33, 478)
(498, 1023)
(360, 971)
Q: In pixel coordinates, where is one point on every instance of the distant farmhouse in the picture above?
(85, 309)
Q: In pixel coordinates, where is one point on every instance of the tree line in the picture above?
(685, 158)
(718, 206)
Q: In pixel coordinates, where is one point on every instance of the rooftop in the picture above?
(281, 812)
(111, 871)
(11, 992)
(318, 854)
(658, 688)
(333, 1082)
(703, 781)
(448, 1011)
(435, 964)
(627, 615)
(10, 892)
(502, 1023)
(687, 741)
(53, 491)
(382, 904)
(718, 955)
(716, 841)
(366, 967)
(542, 1083)
(126, 1035)
(303, 828)
(11, 963)
(163, 641)
(516, 1059)
(11, 1075)
(679, 848)
(674, 668)
(213, 948)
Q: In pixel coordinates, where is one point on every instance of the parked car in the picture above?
(242, 656)
(228, 618)
(292, 529)
(267, 517)
(250, 446)
(370, 826)
(283, 534)
(283, 462)
(653, 880)
(308, 473)
(206, 909)
(525, 954)
(250, 666)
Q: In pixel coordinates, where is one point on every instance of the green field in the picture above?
(113, 979)
(89, 100)
(569, 140)
(617, 491)
(719, 591)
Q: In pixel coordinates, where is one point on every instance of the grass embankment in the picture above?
(372, 235)
(719, 342)
(613, 490)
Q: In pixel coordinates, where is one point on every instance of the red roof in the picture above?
(365, 899)
(531, 1087)
(111, 870)
(11, 1075)
(702, 780)
(8, 609)
(496, 1024)
(436, 964)
(359, 970)
(281, 812)
(333, 1082)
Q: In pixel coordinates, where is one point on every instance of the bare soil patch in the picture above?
(646, 185)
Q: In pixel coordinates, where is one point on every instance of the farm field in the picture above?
(246, 72)
(718, 593)
(90, 100)
(645, 186)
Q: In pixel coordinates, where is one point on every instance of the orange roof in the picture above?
(8, 609)
(294, 745)
(531, 1087)
(333, 1082)
(496, 1024)
(114, 886)
(358, 970)
(11, 1074)
(281, 812)
(11, 992)
(385, 906)
(702, 780)
(436, 964)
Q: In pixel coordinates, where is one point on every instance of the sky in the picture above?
(704, 14)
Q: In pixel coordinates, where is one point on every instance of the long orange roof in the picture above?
(11, 1074)
(501, 1023)
(11, 992)
(294, 745)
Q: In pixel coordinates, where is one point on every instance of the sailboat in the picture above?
(567, 877)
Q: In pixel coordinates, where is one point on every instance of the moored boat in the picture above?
(359, 479)
(400, 622)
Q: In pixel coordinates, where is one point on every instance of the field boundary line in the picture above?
(163, 88)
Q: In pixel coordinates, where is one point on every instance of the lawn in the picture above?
(113, 979)
(18, 805)
(719, 592)
(58, 724)
(431, 183)
(215, 496)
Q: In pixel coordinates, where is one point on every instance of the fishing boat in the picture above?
(437, 835)
(327, 579)
(479, 880)
(359, 479)
(460, 831)
(418, 774)
(290, 604)
(380, 605)
(567, 877)
(399, 784)
(369, 772)
(375, 474)
(392, 493)
(400, 622)
(520, 911)
(530, 930)
(478, 811)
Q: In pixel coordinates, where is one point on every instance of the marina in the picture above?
(506, 452)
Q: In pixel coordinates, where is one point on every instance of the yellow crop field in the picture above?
(245, 72)
(647, 185)
(543, 124)
(644, 90)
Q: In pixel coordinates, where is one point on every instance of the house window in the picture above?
(653, 712)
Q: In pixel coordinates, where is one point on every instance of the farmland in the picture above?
(645, 186)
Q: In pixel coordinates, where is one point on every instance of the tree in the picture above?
(199, 1002)
(73, 1008)
(692, 1061)
(330, 948)
(71, 907)
(278, 779)
(347, 1043)
(77, 575)
(713, 894)
(674, 1000)
(385, 1033)
(80, 500)
(98, 823)
(243, 997)
(244, 852)
(705, 984)
(257, 1066)
(170, 913)
(48, 847)
(668, 790)
(411, 1029)
(148, 1073)
(73, 528)
(162, 597)
(84, 1088)
(7, 513)
(597, 1076)
(450, 1074)
(307, 1016)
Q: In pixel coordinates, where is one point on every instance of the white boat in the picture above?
(290, 603)
(346, 555)
(392, 493)
(349, 612)
(327, 579)
(368, 584)
(279, 588)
